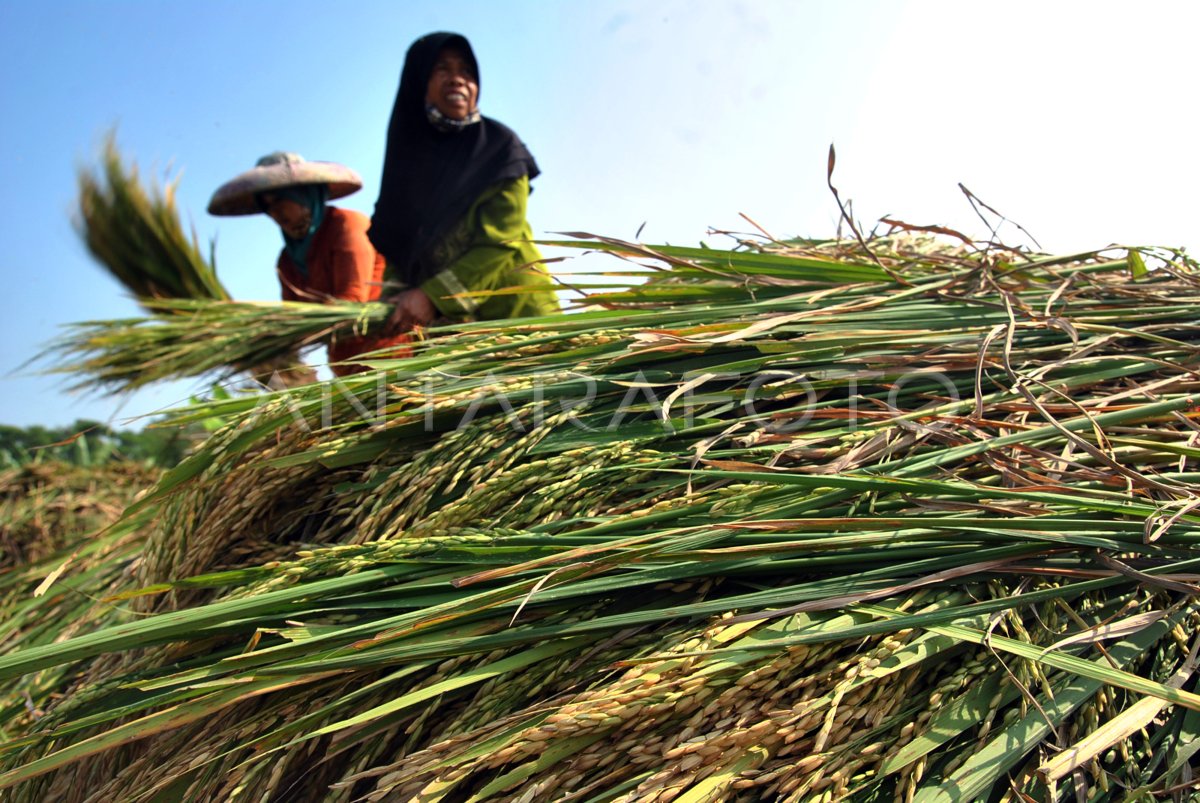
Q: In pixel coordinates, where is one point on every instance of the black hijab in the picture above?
(431, 177)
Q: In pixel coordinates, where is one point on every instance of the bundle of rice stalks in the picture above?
(785, 524)
(188, 338)
(137, 236)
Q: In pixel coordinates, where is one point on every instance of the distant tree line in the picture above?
(91, 443)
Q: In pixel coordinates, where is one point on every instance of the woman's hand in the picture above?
(412, 308)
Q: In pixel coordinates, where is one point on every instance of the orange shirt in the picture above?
(342, 264)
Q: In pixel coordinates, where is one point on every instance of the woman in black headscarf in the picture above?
(450, 218)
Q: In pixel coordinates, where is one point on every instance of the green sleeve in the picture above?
(498, 246)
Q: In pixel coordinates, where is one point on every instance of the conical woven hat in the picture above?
(275, 171)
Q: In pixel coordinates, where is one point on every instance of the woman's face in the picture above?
(453, 88)
(294, 218)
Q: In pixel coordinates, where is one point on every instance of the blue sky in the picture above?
(1073, 118)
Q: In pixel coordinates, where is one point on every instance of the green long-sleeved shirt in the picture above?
(491, 248)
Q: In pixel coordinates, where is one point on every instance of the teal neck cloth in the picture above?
(312, 197)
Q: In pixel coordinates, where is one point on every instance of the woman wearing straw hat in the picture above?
(326, 254)
(450, 218)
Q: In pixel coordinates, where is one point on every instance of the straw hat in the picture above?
(275, 171)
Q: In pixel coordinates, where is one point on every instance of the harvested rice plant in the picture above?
(47, 507)
(874, 520)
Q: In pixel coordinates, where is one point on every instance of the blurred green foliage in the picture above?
(92, 443)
